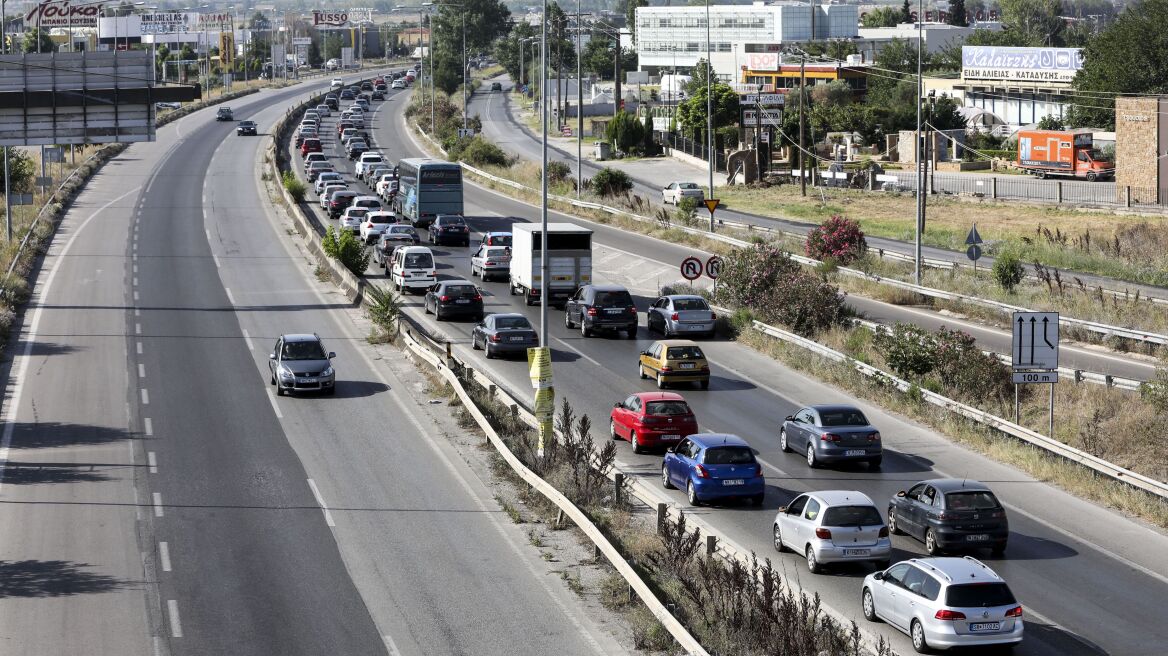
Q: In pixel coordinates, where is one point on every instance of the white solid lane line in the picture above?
(275, 406)
(175, 624)
(247, 339)
(328, 516)
(230, 298)
(164, 555)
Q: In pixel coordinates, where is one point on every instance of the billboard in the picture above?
(64, 13)
(993, 63)
(164, 23)
(334, 18)
(214, 22)
(762, 61)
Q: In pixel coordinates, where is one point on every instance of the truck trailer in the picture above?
(569, 261)
(1060, 153)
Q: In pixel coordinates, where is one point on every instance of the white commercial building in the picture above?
(672, 39)
(936, 36)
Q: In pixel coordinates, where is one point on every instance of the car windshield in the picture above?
(683, 304)
(972, 500)
(419, 261)
(303, 351)
(852, 516)
(460, 290)
(845, 417)
(670, 408)
(729, 455)
(512, 323)
(613, 299)
(979, 595)
(684, 353)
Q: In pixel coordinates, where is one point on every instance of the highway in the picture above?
(169, 503)
(1071, 563)
(500, 126)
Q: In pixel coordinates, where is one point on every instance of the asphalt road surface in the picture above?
(1084, 574)
(169, 503)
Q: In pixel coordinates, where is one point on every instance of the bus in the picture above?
(427, 188)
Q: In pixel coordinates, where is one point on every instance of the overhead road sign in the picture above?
(1036, 339)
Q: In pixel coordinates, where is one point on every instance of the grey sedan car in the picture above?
(299, 363)
(503, 334)
(678, 315)
(832, 433)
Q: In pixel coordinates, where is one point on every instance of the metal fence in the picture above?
(698, 149)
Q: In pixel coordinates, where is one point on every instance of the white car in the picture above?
(367, 158)
(314, 157)
(678, 190)
(327, 193)
(323, 110)
(374, 224)
(397, 84)
(337, 82)
(352, 218)
(325, 179)
(833, 526)
(386, 186)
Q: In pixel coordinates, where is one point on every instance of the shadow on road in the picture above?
(18, 474)
(52, 578)
(42, 435)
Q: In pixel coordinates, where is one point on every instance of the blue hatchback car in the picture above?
(712, 466)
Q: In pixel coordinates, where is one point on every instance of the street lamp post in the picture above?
(709, 112)
(579, 107)
(544, 271)
(920, 163)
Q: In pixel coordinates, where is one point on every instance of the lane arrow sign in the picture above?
(1045, 325)
(1020, 324)
(1033, 323)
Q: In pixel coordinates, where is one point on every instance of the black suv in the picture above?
(950, 513)
(224, 114)
(449, 227)
(595, 307)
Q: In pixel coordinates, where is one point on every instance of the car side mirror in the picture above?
(783, 509)
(331, 355)
(272, 356)
(790, 418)
(672, 449)
(879, 576)
(618, 405)
(900, 494)
(644, 353)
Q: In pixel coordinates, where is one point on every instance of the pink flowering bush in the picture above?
(764, 280)
(838, 238)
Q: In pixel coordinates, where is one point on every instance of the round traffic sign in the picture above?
(691, 268)
(973, 252)
(714, 267)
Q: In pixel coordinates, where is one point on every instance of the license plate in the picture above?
(687, 365)
(694, 327)
(857, 552)
(614, 310)
(671, 437)
(734, 481)
(977, 538)
(985, 626)
(855, 452)
(517, 339)
(308, 380)
(463, 300)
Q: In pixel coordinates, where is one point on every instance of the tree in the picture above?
(957, 13)
(315, 60)
(943, 115)
(625, 132)
(906, 12)
(1129, 56)
(698, 76)
(333, 42)
(882, 17)
(1034, 22)
(631, 16)
(598, 58)
(507, 49)
(1050, 122)
(486, 21)
(692, 112)
(37, 40)
(21, 170)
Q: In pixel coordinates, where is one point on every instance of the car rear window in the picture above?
(683, 304)
(728, 455)
(451, 220)
(671, 408)
(687, 185)
(512, 323)
(971, 500)
(684, 353)
(852, 516)
(613, 299)
(406, 230)
(461, 290)
(500, 240)
(842, 418)
(419, 261)
(312, 142)
(356, 212)
(979, 595)
(501, 251)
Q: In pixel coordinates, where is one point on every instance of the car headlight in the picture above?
(285, 372)
(327, 372)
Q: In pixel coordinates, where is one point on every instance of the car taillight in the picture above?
(666, 369)
(713, 316)
(874, 437)
(477, 297)
(823, 534)
(883, 532)
(674, 316)
(757, 470)
(496, 338)
(591, 312)
(632, 309)
(950, 615)
(829, 437)
(946, 515)
(431, 274)
(706, 369)
(488, 263)
(444, 298)
(1014, 612)
(701, 471)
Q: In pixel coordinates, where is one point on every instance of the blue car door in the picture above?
(679, 463)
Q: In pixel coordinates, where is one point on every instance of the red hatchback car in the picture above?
(310, 146)
(652, 419)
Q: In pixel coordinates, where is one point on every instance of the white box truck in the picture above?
(569, 260)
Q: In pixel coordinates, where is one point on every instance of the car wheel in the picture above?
(931, 543)
(632, 334)
(893, 529)
(813, 565)
(585, 331)
(437, 313)
(641, 370)
(918, 638)
(665, 482)
(273, 378)
(474, 342)
(869, 605)
(612, 430)
(778, 539)
(332, 391)
(812, 461)
(786, 448)
(660, 381)
(489, 352)
(568, 320)
(998, 551)
(425, 307)
(705, 384)
(757, 499)
(634, 443)
(1091, 176)
(279, 390)
(692, 495)
(875, 463)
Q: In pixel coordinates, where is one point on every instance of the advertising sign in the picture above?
(764, 99)
(164, 23)
(335, 18)
(750, 116)
(346, 57)
(301, 40)
(762, 61)
(1020, 64)
(63, 13)
(216, 22)
(361, 15)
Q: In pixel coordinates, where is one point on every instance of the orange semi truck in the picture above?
(1055, 152)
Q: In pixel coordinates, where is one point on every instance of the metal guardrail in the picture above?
(1100, 465)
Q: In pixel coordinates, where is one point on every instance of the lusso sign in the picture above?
(330, 17)
(60, 13)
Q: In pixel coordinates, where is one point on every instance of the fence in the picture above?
(684, 144)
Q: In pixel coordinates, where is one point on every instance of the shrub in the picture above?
(610, 182)
(480, 152)
(839, 238)
(1155, 392)
(966, 373)
(748, 275)
(805, 303)
(385, 308)
(1008, 271)
(909, 350)
(687, 209)
(557, 171)
(344, 246)
(625, 132)
(294, 186)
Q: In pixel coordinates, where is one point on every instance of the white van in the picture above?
(413, 268)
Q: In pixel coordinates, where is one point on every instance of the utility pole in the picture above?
(802, 101)
(544, 267)
(710, 113)
(464, 72)
(7, 182)
(919, 154)
(579, 106)
(616, 89)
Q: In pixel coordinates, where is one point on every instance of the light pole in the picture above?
(579, 106)
(709, 112)
(544, 271)
(920, 163)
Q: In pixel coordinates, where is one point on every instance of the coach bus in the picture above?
(427, 188)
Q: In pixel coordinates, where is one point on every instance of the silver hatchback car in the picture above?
(299, 363)
(833, 526)
(679, 314)
(944, 602)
